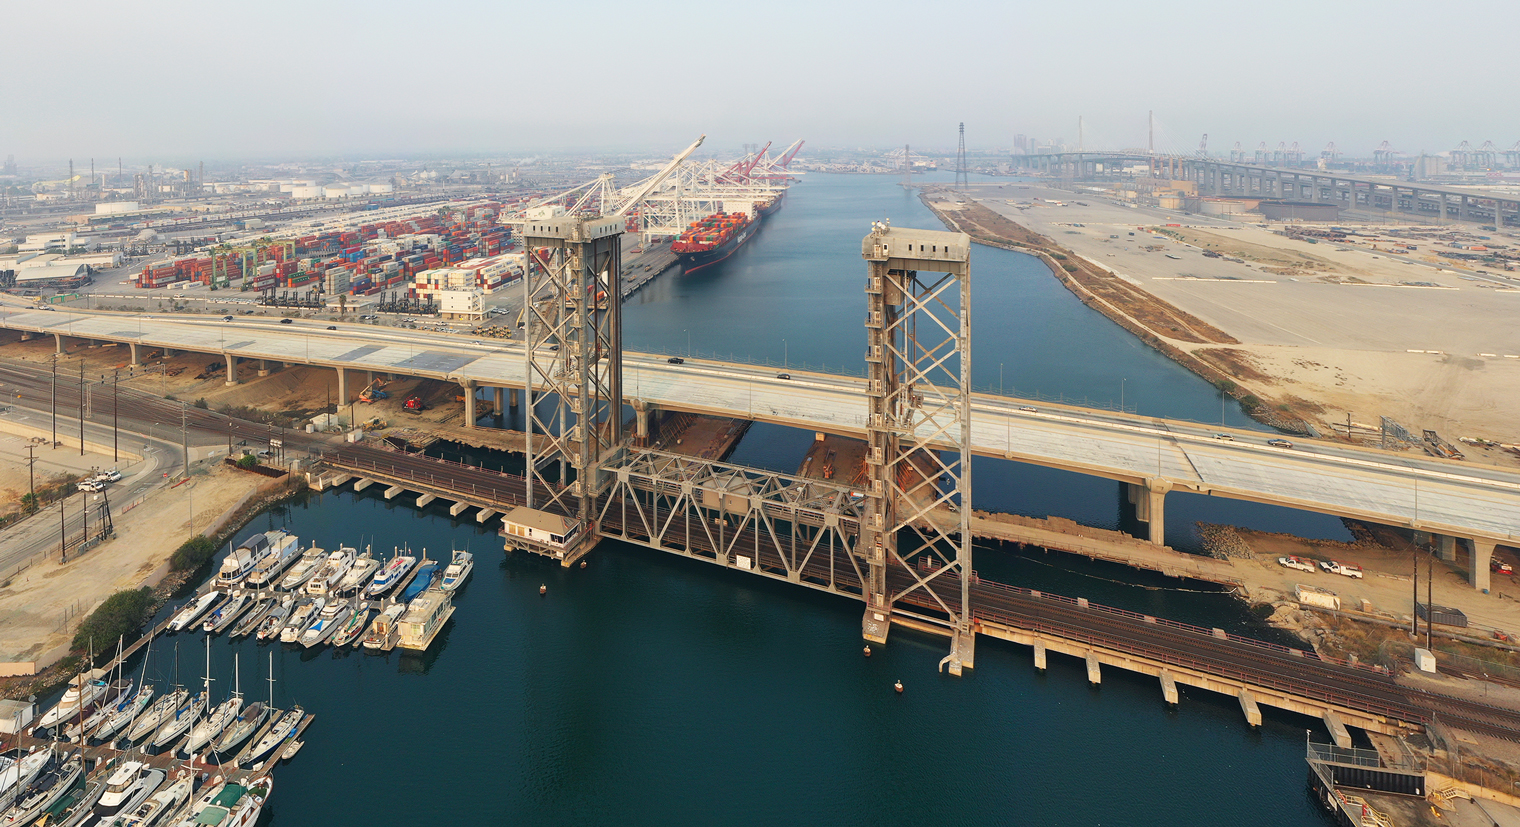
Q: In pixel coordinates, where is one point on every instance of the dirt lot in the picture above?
(40, 607)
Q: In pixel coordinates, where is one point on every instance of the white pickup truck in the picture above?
(1347, 569)
(1295, 563)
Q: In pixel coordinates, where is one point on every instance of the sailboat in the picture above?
(184, 716)
(249, 722)
(217, 719)
(275, 737)
(117, 691)
(127, 711)
(45, 791)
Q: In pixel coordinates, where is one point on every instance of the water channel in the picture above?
(646, 689)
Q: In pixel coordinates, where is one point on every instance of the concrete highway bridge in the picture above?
(1227, 178)
(1457, 501)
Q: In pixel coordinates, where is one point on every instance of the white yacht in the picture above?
(271, 624)
(304, 568)
(226, 613)
(353, 627)
(303, 616)
(284, 549)
(161, 806)
(327, 578)
(250, 621)
(234, 805)
(328, 620)
(240, 562)
(358, 575)
(392, 575)
(127, 787)
(84, 691)
(458, 571)
(193, 611)
(213, 724)
(19, 774)
(154, 716)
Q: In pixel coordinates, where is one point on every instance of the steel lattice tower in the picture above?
(962, 172)
(573, 351)
(915, 536)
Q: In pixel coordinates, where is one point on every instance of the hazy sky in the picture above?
(170, 82)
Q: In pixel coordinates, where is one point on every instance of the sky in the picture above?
(178, 81)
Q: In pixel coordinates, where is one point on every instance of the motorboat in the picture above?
(304, 568)
(391, 576)
(241, 561)
(125, 713)
(382, 630)
(328, 620)
(250, 622)
(104, 709)
(353, 627)
(234, 805)
(303, 616)
(284, 727)
(458, 571)
(45, 790)
(161, 805)
(83, 693)
(193, 611)
(128, 786)
(248, 722)
(188, 815)
(427, 572)
(274, 620)
(327, 578)
(226, 613)
(358, 575)
(184, 718)
(75, 806)
(284, 549)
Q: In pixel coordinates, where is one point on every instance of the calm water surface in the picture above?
(646, 689)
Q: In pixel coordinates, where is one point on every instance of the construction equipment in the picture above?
(414, 405)
(372, 392)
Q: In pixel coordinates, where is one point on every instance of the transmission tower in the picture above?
(962, 172)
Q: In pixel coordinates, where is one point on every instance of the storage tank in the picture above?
(335, 191)
(381, 189)
(305, 191)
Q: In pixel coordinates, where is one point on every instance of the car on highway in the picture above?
(88, 485)
(783, 376)
(1225, 437)
(1279, 443)
(332, 327)
(285, 321)
(1299, 563)
(1027, 409)
(226, 318)
(676, 360)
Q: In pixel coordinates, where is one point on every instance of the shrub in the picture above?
(122, 614)
(202, 403)
(192, 554)
(247, 461)
(1070, 268)
(1058, 256)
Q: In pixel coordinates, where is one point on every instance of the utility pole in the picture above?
(115, 434)
(81, 407)
(54, 400)
(63, 530)
(184, 436)
(31, 473)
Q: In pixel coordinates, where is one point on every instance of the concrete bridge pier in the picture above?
(512, 397)
(469, 402)
(1039, 655)
(136, 354)
(263, 367)
(58, 337)
(342, 386)
(1149, 500)
(1446, 547)
(232, 365)
(1094, 671)
(642, 411)
(170, 353)
(1482, 555)
(1338, 732)
(1249, 707)
(1168, 688)
(501, 408)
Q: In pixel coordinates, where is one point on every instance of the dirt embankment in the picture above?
(1157, 323)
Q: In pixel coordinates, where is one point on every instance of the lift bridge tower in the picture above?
(915, 538)
(573, 351)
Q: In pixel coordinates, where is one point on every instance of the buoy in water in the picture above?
(543, 589)
(868, 651)
(898, 687)
(583, 564)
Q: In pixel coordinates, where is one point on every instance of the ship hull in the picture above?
(692, 262)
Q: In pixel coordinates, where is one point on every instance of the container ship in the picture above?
(714, 238)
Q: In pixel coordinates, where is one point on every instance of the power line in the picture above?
(962, 172)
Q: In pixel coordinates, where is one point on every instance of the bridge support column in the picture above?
(263, 367)
(1168, 688)
(136, 354)
(1446, 547)
(1149, 500)
(1338, 732)
(1249, 707)
(169, 353)
(1094, 672)
(232, 365)
(1039, 655)
(469, 402)
(58, 337)
(1482, 555)
(512, 397)
(642, 411)
(501, 399)
(393, 491)
(342, 387)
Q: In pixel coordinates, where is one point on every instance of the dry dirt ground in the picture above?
(40, 607)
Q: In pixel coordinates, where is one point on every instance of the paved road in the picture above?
(1462, 499)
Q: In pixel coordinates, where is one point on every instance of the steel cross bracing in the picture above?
(573, 353)
(797, 529)
(918, 335)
